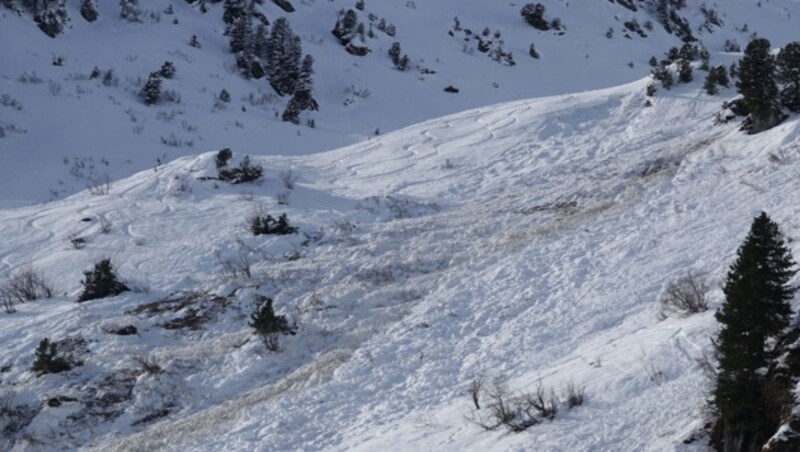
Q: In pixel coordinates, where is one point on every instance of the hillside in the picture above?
(519, 236)
(65, 131)
(527, 241)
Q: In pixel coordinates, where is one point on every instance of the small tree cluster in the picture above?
(346, 27)
(48, 361)
(268, 326)
(663, 75)
(245, 172)
(101, 282)
(399, 59)
(756, 83)
(262, 223)
(534, 16)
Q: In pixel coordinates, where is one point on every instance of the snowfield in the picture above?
(527, 242)
(520, 231)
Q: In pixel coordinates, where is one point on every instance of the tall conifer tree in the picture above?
(756, 309)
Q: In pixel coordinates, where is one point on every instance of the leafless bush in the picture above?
(271, 342)
(653, 370)
(29, 78)
(99, 185)
(105, 225)
(148, 364)
(516, 413)
(8, 304)
(706, 362)
(474, 390)
(75, 241)
(262, 100)
(283, 197)
(26, 285)
(684, 296)
(170, 95)
(574, 394)
(236, 266)
(289, 179)
(54, 88)
(7, 101)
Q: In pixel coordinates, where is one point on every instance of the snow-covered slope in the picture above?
(527, 241)
(64, 131)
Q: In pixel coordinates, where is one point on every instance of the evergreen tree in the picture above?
(284, 53)
(756, 310)
(101, 282)
(721, 75)
(239, 34)
(346, 24)
(269, 326)
(167, 70)
(47, 360)
(710, 84)
(534, 16)
(302, 99)
(684, 71)
(260, 45)
(663, 75)
(89, 10)
(151, 92)
(756, 84)
(788, 63)
(232, 10)
(130, 11)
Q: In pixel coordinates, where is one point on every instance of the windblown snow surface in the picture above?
(527, 241)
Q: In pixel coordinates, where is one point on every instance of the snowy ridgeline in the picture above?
(82, 109)
(526, 243)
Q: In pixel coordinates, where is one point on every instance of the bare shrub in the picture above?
(25, 285)
(283, 197)
(574, 394)
(474, 390)
(236, 266)
(516, 413)
(684, 296)
(653, 370)
(105, 225)
(8, 304)
(29, 78)
(8, 101)
(148, 365)
(54, 88)
(288, 178)
(707, 364)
